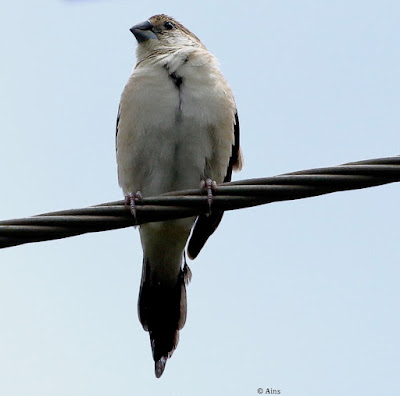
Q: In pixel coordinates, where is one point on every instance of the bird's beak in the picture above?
(143, 31)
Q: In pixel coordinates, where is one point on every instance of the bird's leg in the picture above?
(130, 200)
(209, 186)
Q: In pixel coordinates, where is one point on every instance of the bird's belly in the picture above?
(163, 157)
(175, 158)
(172, 146)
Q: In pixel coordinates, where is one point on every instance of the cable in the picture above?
(228, 196)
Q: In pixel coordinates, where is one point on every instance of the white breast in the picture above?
(170, 137)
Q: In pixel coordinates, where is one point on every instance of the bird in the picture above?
(177, 128)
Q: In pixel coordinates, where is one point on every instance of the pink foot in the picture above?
(209, 185)
(130, 200)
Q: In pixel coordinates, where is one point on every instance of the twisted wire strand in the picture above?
(228, 196)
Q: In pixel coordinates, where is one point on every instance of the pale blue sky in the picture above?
(299, 296)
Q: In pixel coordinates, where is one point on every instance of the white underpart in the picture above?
(170, 139)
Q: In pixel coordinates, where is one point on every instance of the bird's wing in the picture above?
(116, 127)
(207, 224)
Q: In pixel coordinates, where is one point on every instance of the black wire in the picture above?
(228, 196)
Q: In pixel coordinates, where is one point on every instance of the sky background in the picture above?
(301, 297)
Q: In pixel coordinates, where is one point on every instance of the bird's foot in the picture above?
(209, 186)
(130, 201)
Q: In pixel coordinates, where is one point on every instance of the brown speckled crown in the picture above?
(159, 19)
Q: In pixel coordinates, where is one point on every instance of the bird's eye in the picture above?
(169, 25)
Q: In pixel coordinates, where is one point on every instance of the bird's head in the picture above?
(161, 33)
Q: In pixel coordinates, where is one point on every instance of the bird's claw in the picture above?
(130, 201)
(209, 186)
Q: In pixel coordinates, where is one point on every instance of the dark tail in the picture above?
(162, 312)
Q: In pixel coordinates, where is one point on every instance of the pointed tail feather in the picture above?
(204, 227)
(162, 312)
